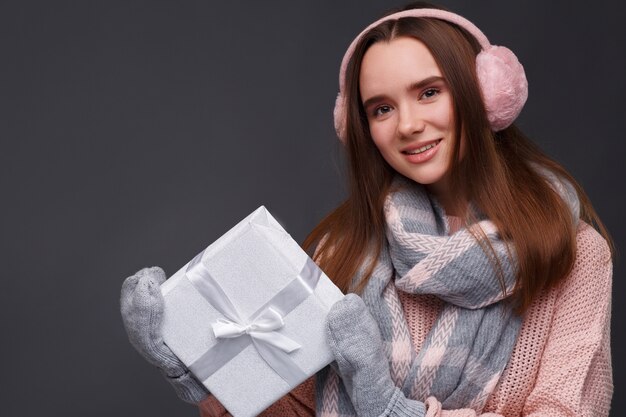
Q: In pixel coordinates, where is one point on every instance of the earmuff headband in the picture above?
(502, 79)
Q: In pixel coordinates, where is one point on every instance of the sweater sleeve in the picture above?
(575, 375)
(300, 402)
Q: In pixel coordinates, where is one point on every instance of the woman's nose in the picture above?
(410, 122)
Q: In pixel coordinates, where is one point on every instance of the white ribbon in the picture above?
(262, 328)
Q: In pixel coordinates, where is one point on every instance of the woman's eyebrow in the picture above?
(421, 84)
(412, 87)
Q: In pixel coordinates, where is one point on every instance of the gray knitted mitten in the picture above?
(142, 312)
(356, 343)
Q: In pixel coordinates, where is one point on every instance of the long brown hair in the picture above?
(498, 174)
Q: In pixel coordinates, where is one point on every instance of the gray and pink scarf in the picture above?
(469, 345)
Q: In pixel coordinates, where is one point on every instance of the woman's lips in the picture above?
(422, 152)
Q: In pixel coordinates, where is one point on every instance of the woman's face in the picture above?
(409, 110)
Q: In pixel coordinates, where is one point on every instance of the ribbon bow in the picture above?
(262, 328)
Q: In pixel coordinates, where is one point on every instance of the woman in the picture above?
(483, 288)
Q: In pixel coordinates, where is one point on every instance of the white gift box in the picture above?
(247, 315)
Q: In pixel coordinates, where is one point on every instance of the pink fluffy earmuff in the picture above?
(501, 76)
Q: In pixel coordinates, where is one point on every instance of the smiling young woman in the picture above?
(418, 78)
(484, 274)
(530, 212)
(409, 112)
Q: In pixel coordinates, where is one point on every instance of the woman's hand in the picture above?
(356, 343)
(142, 313)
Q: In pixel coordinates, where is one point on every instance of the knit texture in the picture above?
(470, 344)
(355, 340)
(560, 365)
(141, 305)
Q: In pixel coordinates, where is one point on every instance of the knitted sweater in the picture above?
(561, 363)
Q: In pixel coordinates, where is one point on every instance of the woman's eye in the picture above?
(430, 93)
(381, 110)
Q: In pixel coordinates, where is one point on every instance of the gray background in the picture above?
(134, 133)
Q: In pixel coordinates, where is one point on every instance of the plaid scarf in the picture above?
(470, 344)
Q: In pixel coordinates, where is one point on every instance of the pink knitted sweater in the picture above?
(560, 366)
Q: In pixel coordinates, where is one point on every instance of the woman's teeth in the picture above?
(422, 149)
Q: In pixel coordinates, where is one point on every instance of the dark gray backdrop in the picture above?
(136, 132)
